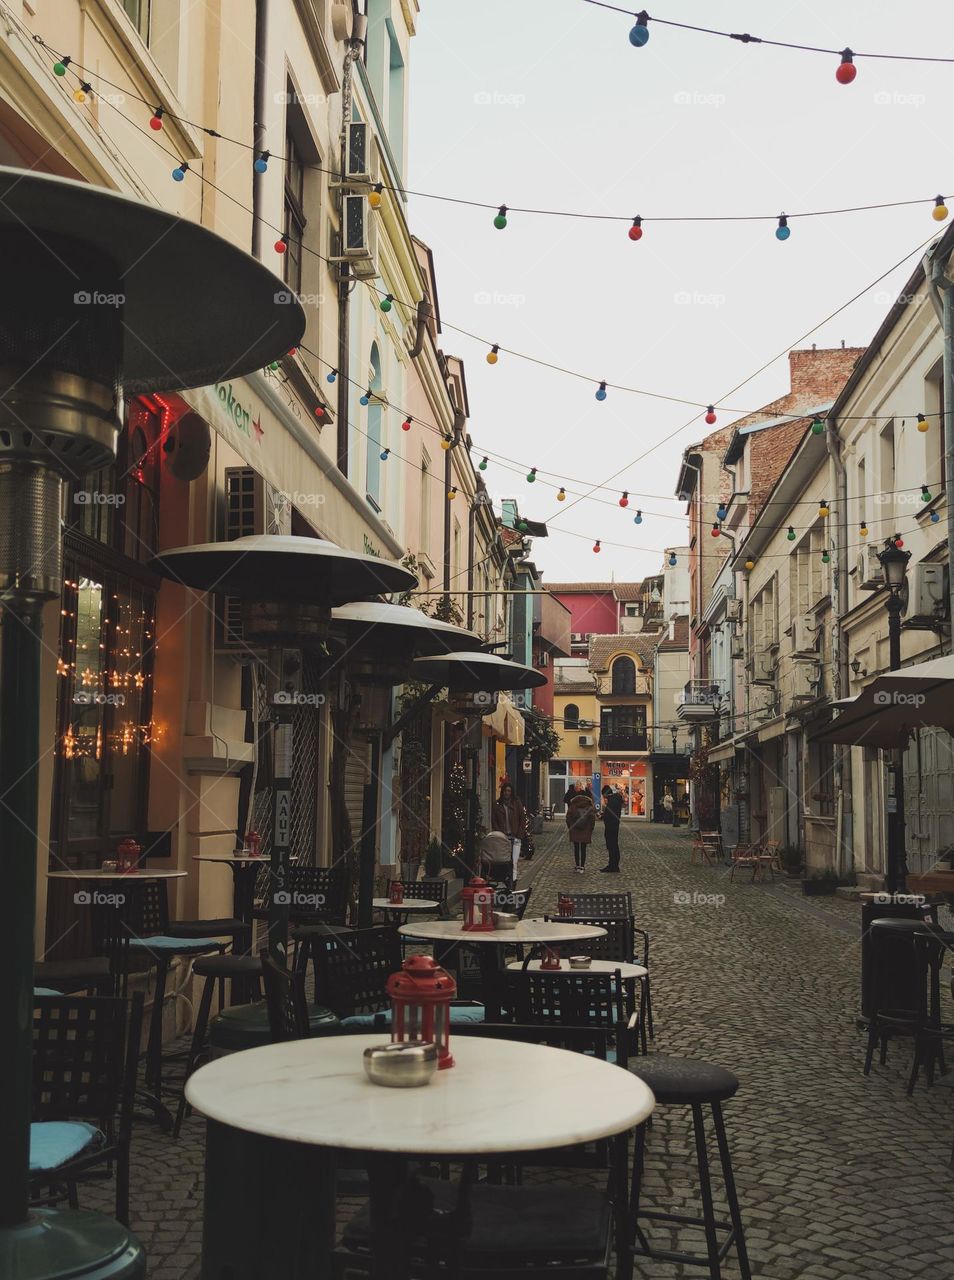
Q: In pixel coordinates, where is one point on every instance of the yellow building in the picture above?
(622, 667)
(575, 718)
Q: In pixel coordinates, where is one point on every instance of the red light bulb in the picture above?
(624, 500)
(714, 531)
(899, 542)
(846, 70)
(319, 411)
(406, 424)
(636, 230)
(155, 121)
(281, 246)
(596, 546)
(710, 415)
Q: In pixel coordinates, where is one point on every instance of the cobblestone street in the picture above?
(837, 1175)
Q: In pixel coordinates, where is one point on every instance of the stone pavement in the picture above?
(838, 1176)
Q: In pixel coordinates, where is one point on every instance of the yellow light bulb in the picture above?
(452, 494)
(939, 212)
(79, 95)
(823, 509)
(922, 422)
(863, 531)
(750, 564)
(374, 197)
(445, 443)
(561, 496)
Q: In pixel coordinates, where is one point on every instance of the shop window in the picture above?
(624, 676)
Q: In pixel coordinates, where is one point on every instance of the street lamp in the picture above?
(894, 565)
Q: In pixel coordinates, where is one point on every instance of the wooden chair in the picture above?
(85, 1058)
(745, 855)
(706, 849)
(769, 858)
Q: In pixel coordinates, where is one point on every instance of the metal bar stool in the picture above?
(688, 1082)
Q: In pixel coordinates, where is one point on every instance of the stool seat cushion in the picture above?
(56, 972)
(227, 966)
(526, 1223)
(374, 1021)
(207, 928)
(160, 944)
(684, 1080)
(54, 1142)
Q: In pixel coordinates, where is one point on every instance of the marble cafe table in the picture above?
(404, 909)
(277, 1115)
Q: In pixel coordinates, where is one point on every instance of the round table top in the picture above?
(409, 904)
(525, 931)
(144, 874)
(316, 1092)
(261, 858)
(596, 966)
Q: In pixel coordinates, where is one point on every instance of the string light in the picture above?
(366, 398)
(59, 68)
(561, 496)
(826, 558)
(925, 493)
(445, 442)
(531, 475)
(636, 230)
(522, 526)
(710, 415)
(922, 422)
(672, 560)
(406, 425)
(863, 530)
(939, 212)
(155, 121)
(624, 500)
(281, 244)
(597, 548)
(791, 534)
(385, 454)
(501, 219)
(452, 494)
(823, 508)
(331, 375)
(79, 95)
(898, 541)
(640, 33)
(817, 426)
(180, 171)
(721, 511)
(783, 230)
(638, 518)
(846, 70)
(934, 517)
(273, 364)
(601, 392)
(492, 356)
(714, 531)
(482, 466)
(749, 565)
(375, 195)
(386, 302)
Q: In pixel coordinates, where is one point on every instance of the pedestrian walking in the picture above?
(580, 821)
(510, 818)
(668, 806)
(612, 811)
(572, 790)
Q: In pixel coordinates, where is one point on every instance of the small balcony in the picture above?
(622, 741)
(698, 701)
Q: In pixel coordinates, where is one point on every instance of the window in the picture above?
(764, 619)
(374, 440)
(294, 219)
(395, 97)
(137, 11)
(624, 676)
(886, 477)
(936, 473)
(808, 575)
(571, 716)
(425, 512)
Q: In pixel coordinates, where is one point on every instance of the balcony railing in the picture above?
(699, 700)
(628, 741)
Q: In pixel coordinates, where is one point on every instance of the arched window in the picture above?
(624, 676)
(373, 471)
(571, 716)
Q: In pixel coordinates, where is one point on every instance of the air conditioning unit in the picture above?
(804, 633)
(763, 668)
(252, 505)
(868, 570)
(927, 602)
(733, 610)
(578, 637)
(359, 236)
(806, 678)
(586, 740)
(543, 660)
(357, 166)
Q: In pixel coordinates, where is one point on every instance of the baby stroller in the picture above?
(495, 858)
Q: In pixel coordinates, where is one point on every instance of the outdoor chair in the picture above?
(620, 942)
(85, 1056)
(435, 890)
(705, 850)
(613, 906)
(747, 856)
(565, 998)
(476, 1230)
(285, 1001)
(769, 859)
(687, 1082)
(316, 895)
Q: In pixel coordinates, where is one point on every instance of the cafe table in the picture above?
(406, 907)
(278, 1115)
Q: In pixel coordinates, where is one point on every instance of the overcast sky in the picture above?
(545, 103)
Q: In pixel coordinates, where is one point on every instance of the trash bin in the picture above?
(245, 1026)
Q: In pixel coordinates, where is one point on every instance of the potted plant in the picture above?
(433, 859)
(820, 882)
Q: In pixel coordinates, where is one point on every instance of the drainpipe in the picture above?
(471, 539)
(258, 110)
(345, 283)
(940, 289)
(844, 831)
(423, 315)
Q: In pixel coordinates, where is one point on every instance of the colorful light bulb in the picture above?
(749, 565)
(791, 534)
(522, 526)
(331, 375)
(531, 475)
(714, 531)
(445, 442)
(59, 68)
(923, 423)
(939, 212)
(561, 496)
(483, 465)
(452, 494)
(722, 511)
(596, 547)
(406, 424)
(823, 508)
(636, 230)
(374, 195)
(846, 69)
(783, 230)
(492, 356)
(385, 454)
(319, 411)
(817, 426)
(898, 541)
(501, 219)
(386, 302)
(934, 517)
(624, 500)
(366, 398)
(672, 560)
(925, 493)
(180, 171)
(155, 121)
(826, 558)
(638, 518)
(273, 365)
(601, 392)
(710, 414)
(639, 35)
(79, 95)
(260, 164)
(863, 530)
(281, 245)
(293, 351)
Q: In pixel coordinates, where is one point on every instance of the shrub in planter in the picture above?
(820, 882)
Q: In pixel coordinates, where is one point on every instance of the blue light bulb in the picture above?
(672, 560)
(639, 35)
(601, 392)
(178, 173)
(384, 454)
(721, 513)
(783, 230)
(261, 165)
(366, 398)
(934, 517)
(638, 518)
(332, 375)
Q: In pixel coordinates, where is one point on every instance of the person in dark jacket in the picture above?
(510, 817)
(580, 821)
(612, 811)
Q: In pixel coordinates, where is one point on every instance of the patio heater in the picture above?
(288, 587)
(382, 640)
(103, 296)
(894, 566)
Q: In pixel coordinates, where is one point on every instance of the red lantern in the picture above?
(564, 905)
(396, 892)
(421, 996)
(127, 855)
(254, 842)
(477, 900)
(551, 958)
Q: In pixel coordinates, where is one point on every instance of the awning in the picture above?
(724, 751)
(894, 705)
(773, 730)
(506, 723)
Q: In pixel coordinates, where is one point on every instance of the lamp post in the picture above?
(894, 564)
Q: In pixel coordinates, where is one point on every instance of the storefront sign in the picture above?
(238, 413)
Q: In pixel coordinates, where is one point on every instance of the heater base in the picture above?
(71, 1244)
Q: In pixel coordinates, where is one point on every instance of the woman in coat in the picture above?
(510, 817)
(580, 821)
